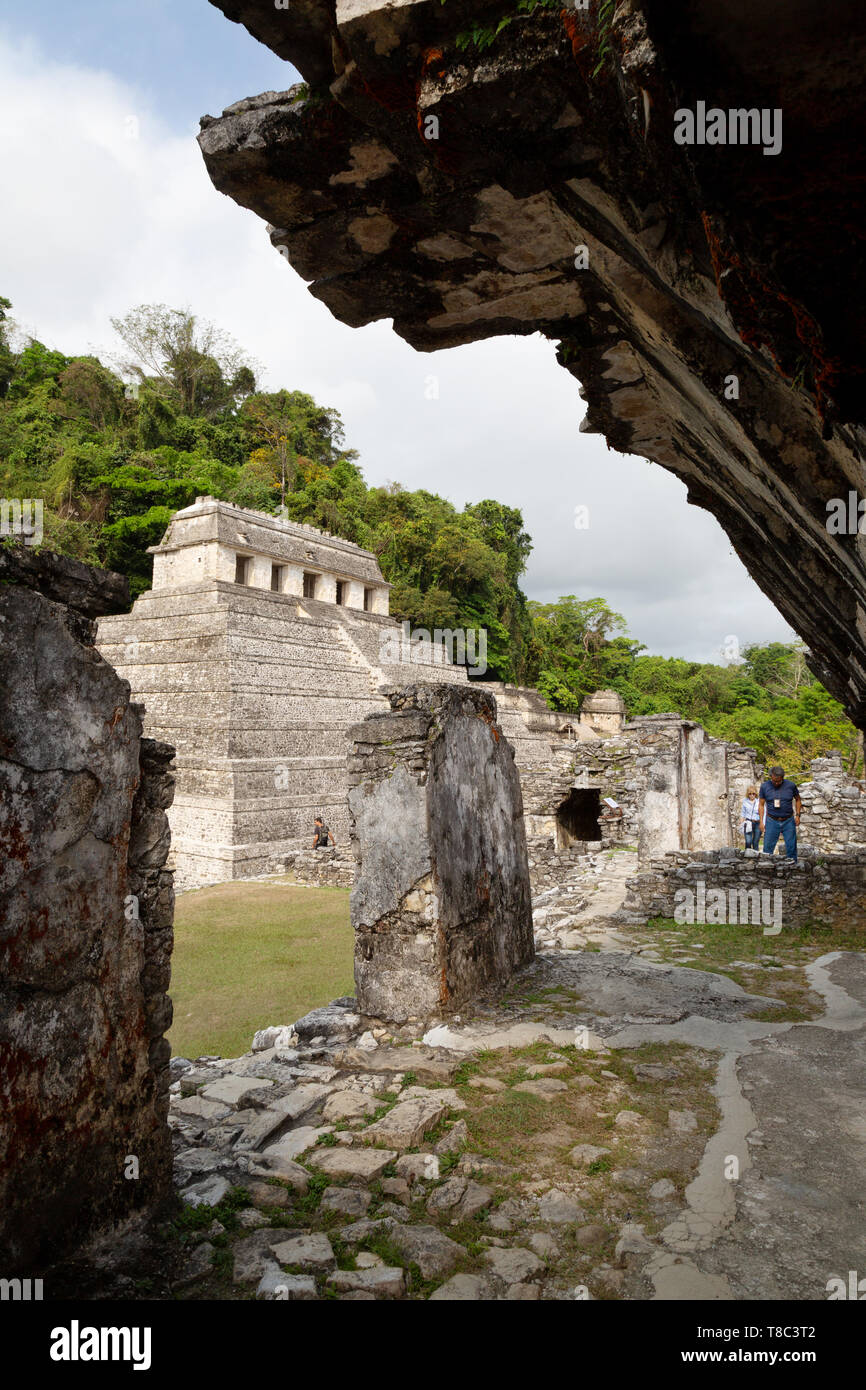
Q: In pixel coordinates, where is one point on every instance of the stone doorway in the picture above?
(577, 818)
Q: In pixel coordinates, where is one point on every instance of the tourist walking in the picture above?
(750, 818)
(780, 812)
(323, 834)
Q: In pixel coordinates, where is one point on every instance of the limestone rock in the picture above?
(234, 1090)
(207, 1192)
(351, 1201)
(300, 1101)
(358, 1165)
(633, 1241)
(629, 1119)
(384, 1282)
(191, 1163)
(347, 1105)
(253, 1254)
(463, 1288)
(546, 1087)
(266, 1194)
(456, 1138)
(582, 1155)
(434, 1253)
(335, 1023)
(406, 1125)
(442, 1095)
(513, 1266)
(311, 1251)
(559, 1209)
(290, 1146)
(544, 1245)
(250, 1219)
(198, 1108)
(421, 1167)
(276, 1286)
(427, 1063)
(444, 1198)
(277, 1166)
(398, 1188)
(662, 1189)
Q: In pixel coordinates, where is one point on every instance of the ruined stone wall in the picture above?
(441, 902)
(823, 889)
(85, 922)
(333, 867)
(834, 807)
(676, 785)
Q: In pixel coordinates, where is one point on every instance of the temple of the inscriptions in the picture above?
(260, 642)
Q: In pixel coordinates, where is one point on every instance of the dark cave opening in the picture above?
(577, 818)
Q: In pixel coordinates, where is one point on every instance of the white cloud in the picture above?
(107, 208)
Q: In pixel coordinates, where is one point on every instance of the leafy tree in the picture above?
(7, 358)
(193, 361)
(91, 392)
(291, 430)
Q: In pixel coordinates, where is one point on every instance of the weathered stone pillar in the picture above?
(441, 903)
(85, 922)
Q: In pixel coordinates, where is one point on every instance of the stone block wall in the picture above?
(834, 807)
(441, 902)
(826, 889)
(321, 868)
(85, 923)
(676, 785)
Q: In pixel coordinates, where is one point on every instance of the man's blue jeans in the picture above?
(788, 831)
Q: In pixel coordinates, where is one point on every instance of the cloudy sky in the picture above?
(107, 205)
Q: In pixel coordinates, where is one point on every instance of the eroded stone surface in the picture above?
(441, 904)
(87, 906)
(701, 266)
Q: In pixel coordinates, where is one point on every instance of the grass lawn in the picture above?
(247, 955)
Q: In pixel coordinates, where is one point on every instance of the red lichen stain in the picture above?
(443, 986)
(433, 64)
(444, 992)
(486, 715)
(577, 37)
(748, 298)
(429, 57)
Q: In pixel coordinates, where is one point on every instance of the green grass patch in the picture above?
(191, 1219)
(247, 954)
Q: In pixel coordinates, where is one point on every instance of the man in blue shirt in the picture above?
(780, 808)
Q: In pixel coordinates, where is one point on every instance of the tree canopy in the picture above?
(114, 458)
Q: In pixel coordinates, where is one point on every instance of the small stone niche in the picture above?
(441, 904)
